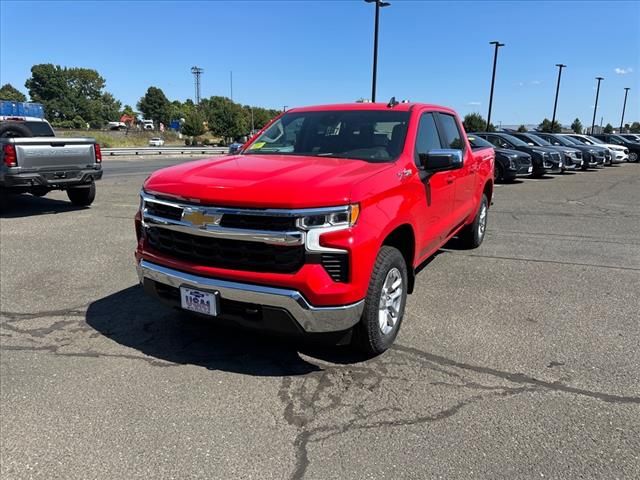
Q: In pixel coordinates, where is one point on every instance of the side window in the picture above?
(427, 138)
(495, 140)
(451, 132)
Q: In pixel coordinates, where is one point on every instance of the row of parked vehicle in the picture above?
(536, 153)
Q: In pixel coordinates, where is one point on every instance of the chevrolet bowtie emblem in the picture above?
(199, 219)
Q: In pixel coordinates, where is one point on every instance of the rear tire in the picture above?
(472, 235)
(82, 196)
(633, 157)
(384, 304)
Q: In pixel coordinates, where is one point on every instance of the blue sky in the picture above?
(310, 52)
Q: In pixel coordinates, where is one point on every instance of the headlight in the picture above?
(513, 162)
(331, 217)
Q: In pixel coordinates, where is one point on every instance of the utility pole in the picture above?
(231, 82)
(379, 4)
(595, 107)
(197, 71)
(284, 108)
(555, 104)
(493, 79)
(624, 106)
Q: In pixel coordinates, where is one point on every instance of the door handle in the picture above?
(450, 179)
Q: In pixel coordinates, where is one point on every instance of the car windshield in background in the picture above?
(39, 129)
(371, 135)
(564, 141)
(571, 140)
(514, 140)
(477, 142)
(595, 140)
(539, 141)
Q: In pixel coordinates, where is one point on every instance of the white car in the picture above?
(619, 153)
(156, 142)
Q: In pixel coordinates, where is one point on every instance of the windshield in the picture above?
(538, 141)
(39, 129)
(477, 142)
(563, 141)
(593, 140)
(371, 135)
(513, 140)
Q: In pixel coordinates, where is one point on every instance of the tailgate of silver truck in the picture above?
(54, 153)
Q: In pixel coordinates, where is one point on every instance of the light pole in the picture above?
(595, 107)
(231, 83)
(555, 104)
(379, 4)
(284, 108)
(624, 106)
(493, 80)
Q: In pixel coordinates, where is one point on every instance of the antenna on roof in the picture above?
(392, 103)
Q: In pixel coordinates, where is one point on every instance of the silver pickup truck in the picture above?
(33, 160)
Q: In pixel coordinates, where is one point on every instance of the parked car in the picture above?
(592, 156)
(33, 160)
(614, 153)
(612, 139)
(544, 159)
(156, 142)
(508, 164)
(572, 157)
(327, 215)
(631, 136)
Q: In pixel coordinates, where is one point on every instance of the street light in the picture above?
(379, 4)
(555, 104)
(493, 80)
(595, 107)
(624, 106)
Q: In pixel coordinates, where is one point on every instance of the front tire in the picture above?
(498, 173)
(472, 235)
(82, 196)
(633, 157)
(384, 304)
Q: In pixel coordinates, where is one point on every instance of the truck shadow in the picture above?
(25, 205)
(134, 320)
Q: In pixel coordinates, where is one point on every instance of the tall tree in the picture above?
(546, 126)
(193, 125)
(473, 122)
(155, 106)
(576, 126)
(522, 128)
(9, 92)
(635, 127)
(608, 128)
(70, 94)
(225, 118)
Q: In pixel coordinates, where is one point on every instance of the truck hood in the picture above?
(264, 181)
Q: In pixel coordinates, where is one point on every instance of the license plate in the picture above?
(530, 169)
(205, 303)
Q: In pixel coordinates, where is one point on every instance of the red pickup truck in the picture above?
(319, 223)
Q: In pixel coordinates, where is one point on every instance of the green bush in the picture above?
(187, 141)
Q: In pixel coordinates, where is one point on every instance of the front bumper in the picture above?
(270, 303)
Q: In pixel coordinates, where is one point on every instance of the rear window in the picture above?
(40, 129)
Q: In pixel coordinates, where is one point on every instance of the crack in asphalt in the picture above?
(305, 404)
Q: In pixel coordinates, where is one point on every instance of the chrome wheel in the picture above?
(482, 220)
(390, 301)
(633, 156)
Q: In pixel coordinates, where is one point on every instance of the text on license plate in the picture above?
(198, 301)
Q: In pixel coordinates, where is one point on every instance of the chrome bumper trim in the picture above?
(310, 318)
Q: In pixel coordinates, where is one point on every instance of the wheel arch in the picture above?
(403, 238)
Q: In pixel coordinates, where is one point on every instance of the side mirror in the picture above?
(440, 160)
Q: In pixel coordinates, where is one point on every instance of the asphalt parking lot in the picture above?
(517, 360)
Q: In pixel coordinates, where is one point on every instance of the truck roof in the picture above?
(399, 107)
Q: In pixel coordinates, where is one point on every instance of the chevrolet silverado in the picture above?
(319, 223)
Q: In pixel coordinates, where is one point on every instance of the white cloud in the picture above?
(535, 82)
(521, 84)
(623, 71)
(474, 103)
